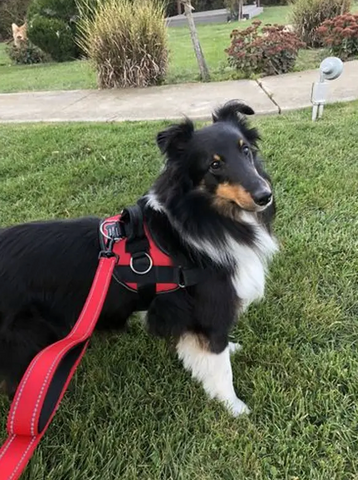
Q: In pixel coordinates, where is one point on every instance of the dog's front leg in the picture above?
(213, 370)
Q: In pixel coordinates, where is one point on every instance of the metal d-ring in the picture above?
(145, 271)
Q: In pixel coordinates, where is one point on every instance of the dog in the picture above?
(212, 204)
(19, 34)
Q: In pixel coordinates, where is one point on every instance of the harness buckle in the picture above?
(108, 252)
(138, 255)
(113, 230)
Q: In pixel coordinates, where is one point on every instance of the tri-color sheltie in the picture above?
(212, 205)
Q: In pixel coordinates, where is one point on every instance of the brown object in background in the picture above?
(19, 34)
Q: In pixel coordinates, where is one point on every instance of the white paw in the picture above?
(234, 347)
(237, 407)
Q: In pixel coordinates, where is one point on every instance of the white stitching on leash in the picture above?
(7, 446)
(22, 458)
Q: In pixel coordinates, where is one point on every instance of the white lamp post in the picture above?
(330, 69)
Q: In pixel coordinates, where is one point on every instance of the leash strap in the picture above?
(46, 379)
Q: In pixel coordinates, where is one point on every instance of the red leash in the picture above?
(47, 377)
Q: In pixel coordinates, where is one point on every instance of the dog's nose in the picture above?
(262, 198)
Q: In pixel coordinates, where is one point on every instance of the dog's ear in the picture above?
(175, 138)
(230, 110)
(14, 27)
(235, 112)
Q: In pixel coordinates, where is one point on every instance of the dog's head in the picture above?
(220, 160)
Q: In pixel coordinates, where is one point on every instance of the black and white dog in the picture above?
(211, 204)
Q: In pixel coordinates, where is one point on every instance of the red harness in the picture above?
(46, 379)
(140, 267)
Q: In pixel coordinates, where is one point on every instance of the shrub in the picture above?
(65, 10)
(126, 42)
(53, 28)
(341, 35)
(26, 54)
(307, 15)
(54, 37)
(11, 11)
(270, 53)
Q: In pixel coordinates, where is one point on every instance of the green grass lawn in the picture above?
(182, 66)
(132, 412)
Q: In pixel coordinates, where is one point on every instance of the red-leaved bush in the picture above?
(340, 34)
(270, 52)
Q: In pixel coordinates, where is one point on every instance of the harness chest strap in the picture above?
(46, 379)
(142, 262)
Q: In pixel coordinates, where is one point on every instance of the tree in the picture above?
(179, 6)
(188, 10)
(345, 6)
(240, 9)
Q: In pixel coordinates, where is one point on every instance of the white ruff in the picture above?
(250, 262)
(249, 279)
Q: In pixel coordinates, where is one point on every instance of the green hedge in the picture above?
(65, 10)
(54, 37)
(52, 27)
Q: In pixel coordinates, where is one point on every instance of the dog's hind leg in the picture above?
(213, 370)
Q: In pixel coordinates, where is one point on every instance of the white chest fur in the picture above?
(249, 278)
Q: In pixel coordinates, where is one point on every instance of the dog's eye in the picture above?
(246, 150)
(215, 165)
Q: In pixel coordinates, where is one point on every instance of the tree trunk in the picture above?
(344, 7)
(240, 5)
(179, 6)
(204, 72)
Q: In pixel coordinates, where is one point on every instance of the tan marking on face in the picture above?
(229, 209)
(241, 142)
(235, 193)
(217, 157)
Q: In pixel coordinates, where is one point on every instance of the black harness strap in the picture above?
(185, 277)
(137, 241)
(138, 246)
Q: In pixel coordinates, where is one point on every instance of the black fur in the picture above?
(46, 268)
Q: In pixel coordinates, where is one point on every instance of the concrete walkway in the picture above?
(269, 95)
